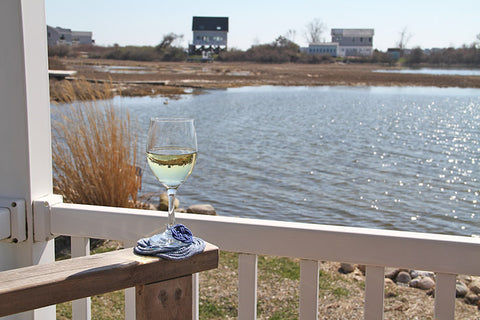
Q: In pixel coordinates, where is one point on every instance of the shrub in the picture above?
(315, 58)
(173, 54)
(94, 149)
(280, 51)
(272, 53)
(145, 53)
(232, 55)
(59, 50)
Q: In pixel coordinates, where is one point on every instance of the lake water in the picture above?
(449, 72)
(379, 157)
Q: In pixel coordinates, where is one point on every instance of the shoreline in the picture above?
(134, 78)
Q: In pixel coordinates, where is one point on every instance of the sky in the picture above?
(428, 24)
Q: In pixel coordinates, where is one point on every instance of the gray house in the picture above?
(209, 34)
(68, 37)
(353, 42)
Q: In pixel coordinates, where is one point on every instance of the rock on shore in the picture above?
(467, 287)
(196, 208)
(202, 209)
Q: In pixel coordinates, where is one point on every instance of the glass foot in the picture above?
(166, 241)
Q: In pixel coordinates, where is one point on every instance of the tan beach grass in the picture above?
(94, 148)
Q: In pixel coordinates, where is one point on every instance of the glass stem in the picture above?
(171, 207)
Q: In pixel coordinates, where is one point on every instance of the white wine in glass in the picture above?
(171, 155)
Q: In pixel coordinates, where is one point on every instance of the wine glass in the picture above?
(171, 155)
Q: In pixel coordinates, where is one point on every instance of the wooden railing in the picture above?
(447, 255)
(163, 287)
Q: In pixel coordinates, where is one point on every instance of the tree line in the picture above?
(465, 56)
(282, 50)
(275, 52)
(164, 51)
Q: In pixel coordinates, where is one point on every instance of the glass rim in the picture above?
(164, 119)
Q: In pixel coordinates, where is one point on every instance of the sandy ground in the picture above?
(144, 78)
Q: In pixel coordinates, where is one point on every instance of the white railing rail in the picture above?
(445, 255)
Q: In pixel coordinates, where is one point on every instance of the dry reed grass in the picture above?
(55, 63)
(94, 148)
(65, 91)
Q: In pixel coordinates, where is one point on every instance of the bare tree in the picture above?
(314, 31)
(404, 39)
(290, 35)
(168, 40)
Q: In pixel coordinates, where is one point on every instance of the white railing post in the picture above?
(81, 308)
(25, 145)
(445, 290)
(247, 286)
(309, 289)
(374, 292)
(130, 313)
(195, 296)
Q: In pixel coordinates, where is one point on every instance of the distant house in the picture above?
(324, 48)
(353, 42)
(82, 37)
(68, 37)
(58, 36)
(345, 42)
(394, 53)
(209, 34)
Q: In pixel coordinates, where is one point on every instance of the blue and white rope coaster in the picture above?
(185, 246)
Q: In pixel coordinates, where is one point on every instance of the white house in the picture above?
(353, 42)
(345, 42)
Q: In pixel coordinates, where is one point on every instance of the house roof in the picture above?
(210, 24)
(59, 29)
(353, 32)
